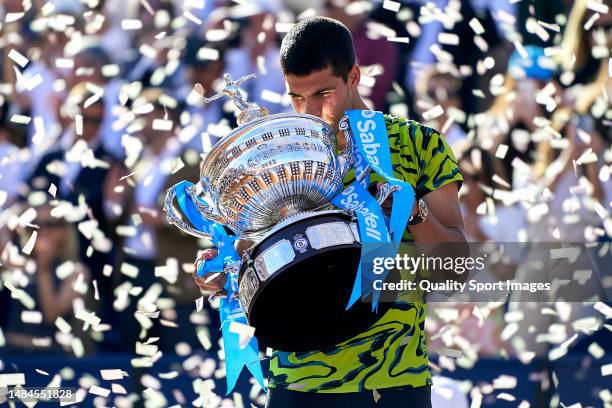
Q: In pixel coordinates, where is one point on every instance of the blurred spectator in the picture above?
(88, 66)
(31, 326)
(511, 121)
(77, 174)
(486, 220)
(205, 65)
(440, 88)
(371, 48)
(13, 161)
(258, 53)
(585, 51)
(155, 245)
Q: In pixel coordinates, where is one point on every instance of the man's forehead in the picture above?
(311, 82)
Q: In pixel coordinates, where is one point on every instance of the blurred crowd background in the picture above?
(98, 117)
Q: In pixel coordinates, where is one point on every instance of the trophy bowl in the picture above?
(269, 169)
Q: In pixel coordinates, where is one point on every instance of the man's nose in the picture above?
(312, 108)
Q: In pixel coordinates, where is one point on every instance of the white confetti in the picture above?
(52, 190)
(189, 16)
(162, 124)
(501, 151)
(603, 309)
(29, 246)
(78, 123)
(31, 317)
(33, 82)
(62, 325)
(18, 58)
(65, 63)
(448, 38)
(199, 303)
(206, 53)
(107, 270)
(118, 389)
(41, 372)
(596, 350)
(598, 7)
(131, 24)
(391, 5)
(433, 113)
(504, 382)
(506, 397)
(12, 17)
(477, 26)
(606, 369)
(103, 392)
(20, 119)
(111, 375)
(404, 40)
(12, 379)
(89, 318)
(244, 331)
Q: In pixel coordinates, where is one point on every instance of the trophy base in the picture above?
(297, 283)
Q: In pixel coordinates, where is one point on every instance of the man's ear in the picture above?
(354, 76)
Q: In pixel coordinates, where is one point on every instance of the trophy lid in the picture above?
(248, 110)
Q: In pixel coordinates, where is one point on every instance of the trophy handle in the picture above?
(386, 190)
(345, 158)
(174, 219)
(207, 211)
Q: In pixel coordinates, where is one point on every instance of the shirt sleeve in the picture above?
(437, 163)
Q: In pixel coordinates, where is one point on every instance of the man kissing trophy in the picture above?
(277, 181)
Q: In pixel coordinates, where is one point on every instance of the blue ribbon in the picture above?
(236, 357)
(371, 146)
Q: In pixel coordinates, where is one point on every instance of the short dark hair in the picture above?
(316, 43)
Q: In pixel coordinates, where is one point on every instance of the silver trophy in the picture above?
(268, 169)
(271, 181)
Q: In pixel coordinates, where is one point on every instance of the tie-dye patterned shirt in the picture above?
(393, 351)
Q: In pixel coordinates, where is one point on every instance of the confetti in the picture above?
(41, 372)
(596, 350)
(103, 392)
(598, 7)
(506, 397)
(189, 16)
(131, 24)
(163, 125)
(62, 325)
(199, 303)
(391, 5)
(433, 113)
(448, 38)
(12, 379)
(33, 82)
(404, 40)
(31, 317)
(20, 119)
(603, 309)
(501, 151)
(606, 370)
(18, 58)
(476, 26)
(29, 246)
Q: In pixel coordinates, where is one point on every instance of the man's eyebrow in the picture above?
(320, 91)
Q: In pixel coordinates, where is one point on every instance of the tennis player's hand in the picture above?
(215, 281)
(210, 282)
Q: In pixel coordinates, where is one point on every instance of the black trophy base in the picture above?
(302, 306)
